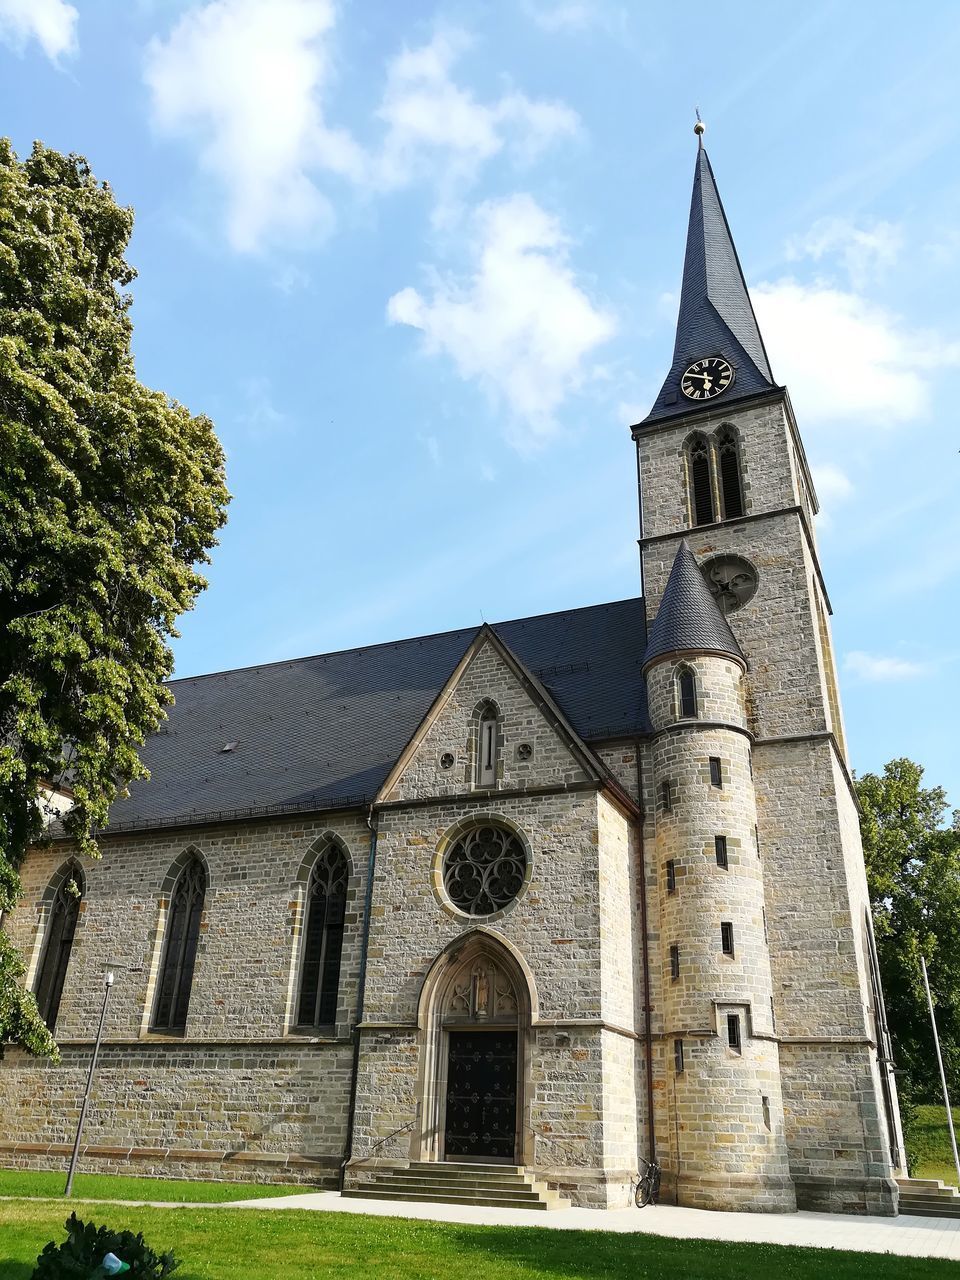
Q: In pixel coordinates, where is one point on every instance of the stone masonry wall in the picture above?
(239, 1079)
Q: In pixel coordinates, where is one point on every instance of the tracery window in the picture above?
(61, 928)
(484, 870)
(687, 693)
(323, 939)
(701, 480)
(728, 469)
(180, 947)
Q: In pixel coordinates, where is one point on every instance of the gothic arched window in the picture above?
(686, 694)
(728, 466)
(180, 947)
(325, 908)
(700, 480)
(487, 724)
(61, 927)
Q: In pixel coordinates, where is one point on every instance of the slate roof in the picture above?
(323, 732)
(716, 316)
(689, 618)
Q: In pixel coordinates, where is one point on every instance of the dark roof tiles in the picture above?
(716, 316)
(323, 732)
(689, 619)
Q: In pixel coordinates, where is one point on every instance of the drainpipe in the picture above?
(645, 952)
(361, 986)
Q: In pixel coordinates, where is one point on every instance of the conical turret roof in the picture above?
(689, 619)
(716, 316)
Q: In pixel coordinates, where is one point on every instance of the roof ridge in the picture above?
(389, 644)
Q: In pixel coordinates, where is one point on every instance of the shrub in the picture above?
(84, 1249)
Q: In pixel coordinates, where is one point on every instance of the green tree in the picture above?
(913, 874)
(110, 497)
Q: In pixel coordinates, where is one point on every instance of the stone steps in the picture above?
(503, 1186)
(928, 1198)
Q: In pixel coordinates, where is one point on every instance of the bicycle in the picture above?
(648, 1183)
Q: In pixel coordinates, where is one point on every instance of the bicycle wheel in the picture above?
(644, 1189)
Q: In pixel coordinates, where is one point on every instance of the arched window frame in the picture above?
(186, 886)
(326, 887)
(63, 897)
(700, 479)
(487, 744)
(687, 693)
(728, 467)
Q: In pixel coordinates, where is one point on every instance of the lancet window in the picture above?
(325, 910)
(58, 944)
(181, 939)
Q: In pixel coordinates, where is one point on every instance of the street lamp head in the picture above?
(109, 979)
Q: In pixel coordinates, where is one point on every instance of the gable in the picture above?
(533, 747)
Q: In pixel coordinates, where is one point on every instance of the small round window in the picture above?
(484, 870)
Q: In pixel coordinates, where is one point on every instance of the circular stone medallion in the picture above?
(732, 580)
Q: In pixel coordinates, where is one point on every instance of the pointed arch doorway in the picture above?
(475, 1017)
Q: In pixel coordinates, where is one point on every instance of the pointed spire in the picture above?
(716, 316)
(689, 619)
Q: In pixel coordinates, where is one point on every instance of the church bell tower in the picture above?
(728, 548)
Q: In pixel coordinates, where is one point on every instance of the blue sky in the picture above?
(419, 262)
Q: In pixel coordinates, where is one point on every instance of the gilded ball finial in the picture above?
(699, 128)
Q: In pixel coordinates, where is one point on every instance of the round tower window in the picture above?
(484, 870)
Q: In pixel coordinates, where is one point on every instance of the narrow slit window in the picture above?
(666, 797)
(687, 693)
(763, 912)
(716, 776)
(678, 1057)
(756, 839)
(728, 464)
(733, 1032)
(487, 749)
(773, 1014)
(671, 876)
(701, 483)
(765, 1107)
(720, 845)
(674, 962)
(61, 928)
(726, 937)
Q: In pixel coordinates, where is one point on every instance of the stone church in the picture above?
(495, 913)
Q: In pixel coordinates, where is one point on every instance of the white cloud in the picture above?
(246, 79)
(844, 357)
(52, 23)
(869, 666)
(833, 486)
(573, 15)
(520, 325)
(430, 118)
(863, 251)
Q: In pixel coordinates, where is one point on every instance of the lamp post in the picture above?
(108, 983)
(943, 1074)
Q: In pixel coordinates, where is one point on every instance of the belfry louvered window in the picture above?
(61, 928)
(180, 948)
(323, 940)
(701, 481)
(728, 467)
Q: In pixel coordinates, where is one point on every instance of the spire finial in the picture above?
(699, 128)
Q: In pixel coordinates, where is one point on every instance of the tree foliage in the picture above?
(110, 497)
(913, 874)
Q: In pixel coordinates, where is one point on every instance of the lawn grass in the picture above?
(104, 1186)
(929, 1143)
(238, 1244)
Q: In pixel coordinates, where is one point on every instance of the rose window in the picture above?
(484, 870)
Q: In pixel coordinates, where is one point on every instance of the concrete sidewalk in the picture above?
(909, 1236)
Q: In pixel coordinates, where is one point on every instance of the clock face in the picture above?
(707, 378)
(732, 580)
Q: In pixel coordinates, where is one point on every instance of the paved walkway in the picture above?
(910, 1236)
